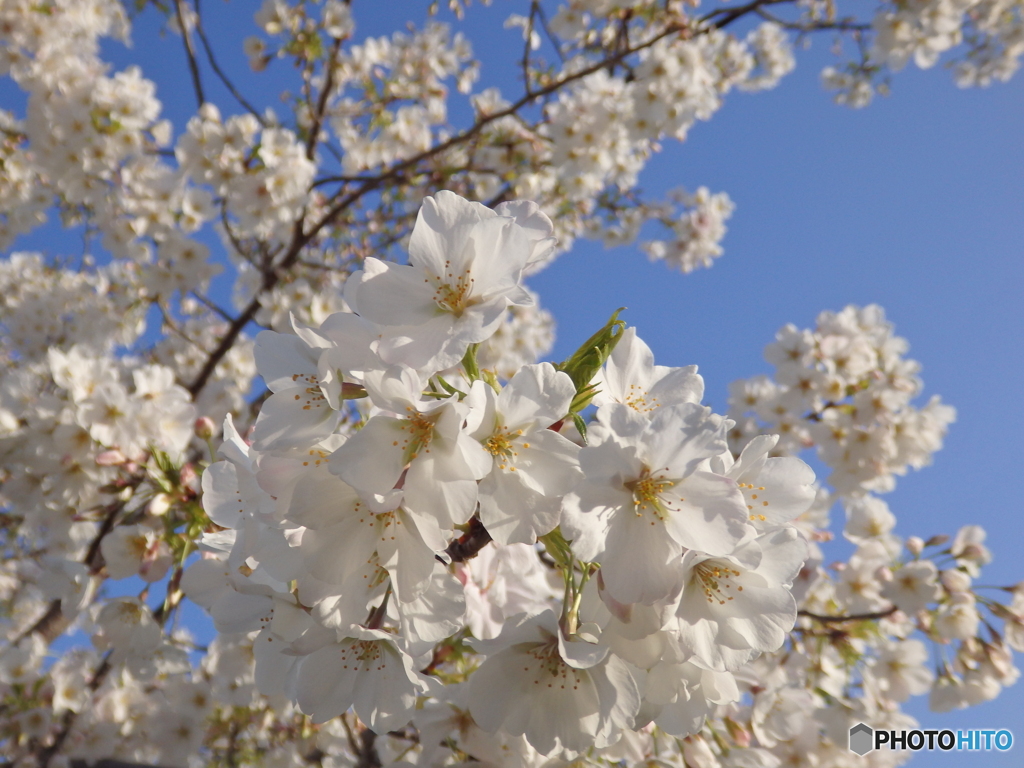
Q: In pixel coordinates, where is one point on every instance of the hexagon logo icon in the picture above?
(862, 739)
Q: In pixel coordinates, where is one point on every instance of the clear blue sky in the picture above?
(915, 203)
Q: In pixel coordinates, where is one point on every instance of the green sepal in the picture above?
(469, 364)
(586, 361)
(556, 546)
(491, 378)
(581, 426)
(449, 388)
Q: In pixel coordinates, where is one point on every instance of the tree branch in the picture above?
(321, 106)
(469, 544)
(193, 66)
(370, 184)
(852, 617)
(220, 73)
(729, 15)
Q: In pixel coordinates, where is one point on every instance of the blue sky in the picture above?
(915, 203)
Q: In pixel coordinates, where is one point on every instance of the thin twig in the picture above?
(852, 617)
(212, 307)
(302, 237)
(193, 65)
(220, 73)
(527, 40)
(555, 42)
(730, 14)
(321, 106)
(842, 25)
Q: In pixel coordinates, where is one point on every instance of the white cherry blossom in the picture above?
(533, 684)
(464, 272)
(532, 467)
(364, 670)
(647, 499)
(733, 607)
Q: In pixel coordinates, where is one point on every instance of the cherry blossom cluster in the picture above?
(665, 585)
(846, 388)
(922, 31)
(677, 560)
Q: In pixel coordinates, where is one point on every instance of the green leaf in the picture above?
(469, 364)
(586, 361)
(581, 425)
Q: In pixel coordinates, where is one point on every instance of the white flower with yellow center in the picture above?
(631, 378)
(344, 534)
(732, 608)
(776, 489)
(465, 265)
(367, 671)
(561, 695)
(306, 374)
(422, 448)
(644, 499)
(532, 467)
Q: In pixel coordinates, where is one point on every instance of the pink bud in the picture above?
(204, 428)
(112, 458)
(739, 734)
(972, 552)
(188, 476)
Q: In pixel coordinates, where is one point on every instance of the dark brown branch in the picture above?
(302, 237)
(228, 340)
(843, 25)
(722, 17)
(220, 73)
(469, 544)
(92, 555)
(321, 106)
(852, 617)
(368, 757)
(68, 721)
(44, 625)
(193, 65)
(52, 622)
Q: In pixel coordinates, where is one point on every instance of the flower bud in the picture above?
(204, 428)
(955, 580)
(739, 734)
(160, 505)
(971, 552)
(915, 545)
(588, 359)
(189, 478)
(697, 753)
(111, 458)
